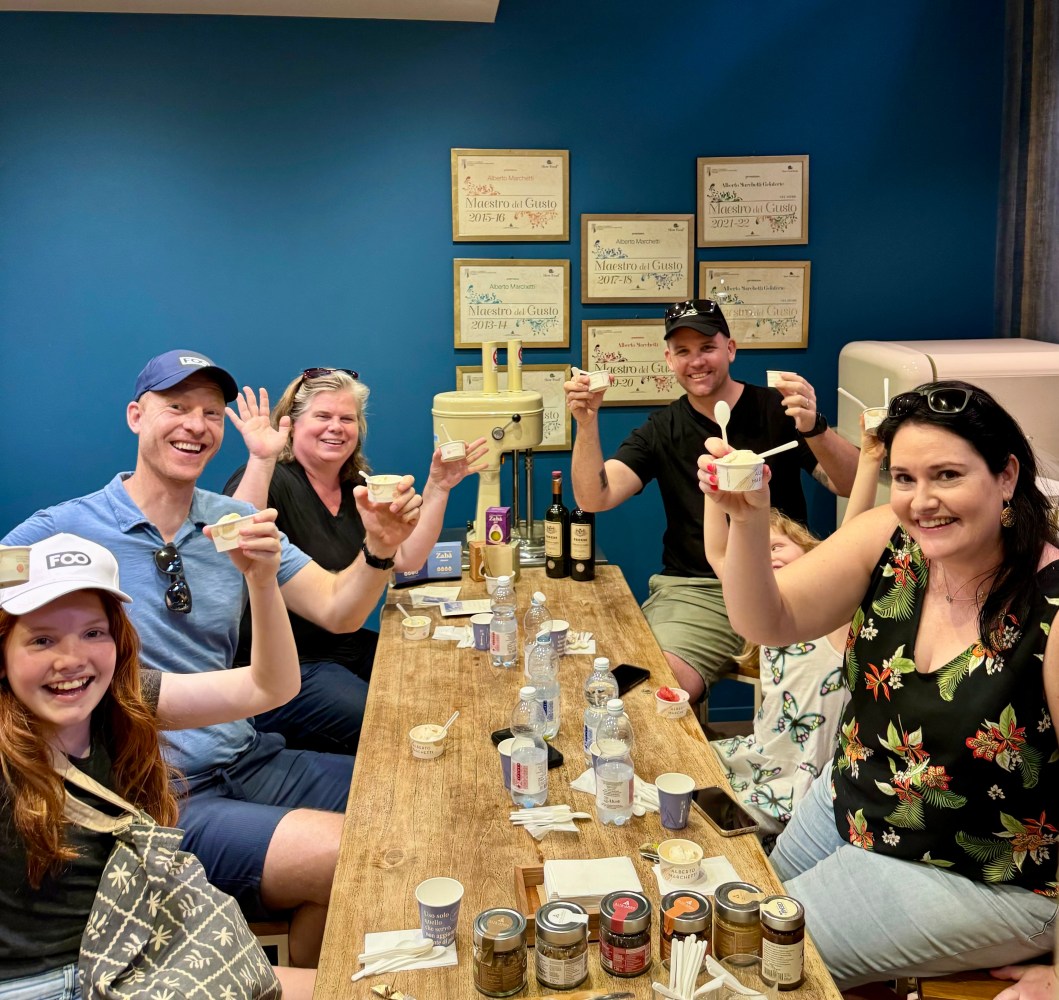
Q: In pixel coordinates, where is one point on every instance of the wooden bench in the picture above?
(961, 986)
(274, 934)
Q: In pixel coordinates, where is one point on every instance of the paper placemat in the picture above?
(377, 940)
(465, 607)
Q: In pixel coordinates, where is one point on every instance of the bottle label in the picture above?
(581, 541)
(547, 709)
(503, 644)
(553, 539)
(782, 963)
(611, 794)
(589, 737)
(560, 972)
(627, 960)
(530, 776)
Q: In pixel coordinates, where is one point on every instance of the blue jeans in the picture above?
(875, 917)
(325, 715)
(59, 984)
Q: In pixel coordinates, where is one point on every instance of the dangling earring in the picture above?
(1007, 515)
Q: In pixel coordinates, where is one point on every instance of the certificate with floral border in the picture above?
(518, 195)
(766, 303)
(548, 381)
(501, 299)
(637, 258)
(633, 351)
(753, 200)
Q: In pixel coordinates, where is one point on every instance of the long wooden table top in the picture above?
(408, 819)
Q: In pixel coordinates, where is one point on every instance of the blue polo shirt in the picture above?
(205, 639)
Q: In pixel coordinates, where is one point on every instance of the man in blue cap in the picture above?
(685, 606)
(264, 820)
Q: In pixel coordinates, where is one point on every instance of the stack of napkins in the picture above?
(587, 882)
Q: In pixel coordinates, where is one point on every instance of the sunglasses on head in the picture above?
(949, 400)
(178, 593)
(310, 373)
(693, 307)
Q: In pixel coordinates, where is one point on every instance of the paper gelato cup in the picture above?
(226, 531)
(740, 471)
(382, 489)
(428, 741)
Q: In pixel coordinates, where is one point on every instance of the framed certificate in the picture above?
(766, 303)
(637, 258)
(548, 381)
(498, 299)
(633, 351)
(510, 195)
(746, 200)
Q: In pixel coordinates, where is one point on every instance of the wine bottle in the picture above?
(557, 532)
(582, 545)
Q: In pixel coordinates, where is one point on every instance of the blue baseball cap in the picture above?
(171, 368)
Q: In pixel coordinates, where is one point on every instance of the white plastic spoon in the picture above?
(722, 413)
(397, 961)
(365, 475)
(403, 610)
(849, 395)
(418, 947)
(452, 718)
(778, 449)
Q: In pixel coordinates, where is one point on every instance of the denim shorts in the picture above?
(59, 984)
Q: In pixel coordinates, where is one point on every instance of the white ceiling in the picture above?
(414, 10)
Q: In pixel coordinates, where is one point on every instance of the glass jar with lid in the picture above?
(681, 914)
(499, 952)
(783, 941)
(561, 945)
(625, 933)
(736, 919)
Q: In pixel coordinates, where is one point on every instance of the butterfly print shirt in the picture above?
(956, 768)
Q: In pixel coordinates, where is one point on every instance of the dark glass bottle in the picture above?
(582, 545)
(557, 532)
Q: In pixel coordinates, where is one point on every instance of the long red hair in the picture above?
(128, 728)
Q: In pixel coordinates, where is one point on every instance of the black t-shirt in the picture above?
(669, 444)
(334, 542)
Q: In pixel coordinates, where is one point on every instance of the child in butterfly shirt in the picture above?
(802, 693)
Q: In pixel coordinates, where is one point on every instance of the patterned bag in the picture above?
(158, 930)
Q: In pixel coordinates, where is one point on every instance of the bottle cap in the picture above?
(538, 598)
(601, 663)
(527, 692)
(615, 706)
(503, 581)
(544, 638)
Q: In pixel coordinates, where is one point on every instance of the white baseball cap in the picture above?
(60, 565)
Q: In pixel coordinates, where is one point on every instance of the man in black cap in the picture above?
(264, 820)
(685, 606)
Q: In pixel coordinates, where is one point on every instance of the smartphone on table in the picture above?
(722, 812)
(555, 756)
(629, 676)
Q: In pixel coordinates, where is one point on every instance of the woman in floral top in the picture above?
(927, 846)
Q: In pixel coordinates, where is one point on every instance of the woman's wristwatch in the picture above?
(374, 561)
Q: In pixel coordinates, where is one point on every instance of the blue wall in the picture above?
(275, 192)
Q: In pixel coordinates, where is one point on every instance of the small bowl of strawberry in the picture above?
(671, 703)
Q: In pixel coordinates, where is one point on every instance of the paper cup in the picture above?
(674, 798)
(599, 379)
(480, 628)
(428, 741)
(680, 861)
(416, 627)
(559, 630)
(739, 476)
(439, 909)
(505, 759)
(453, 451)
(226, 533)
(594, 751)
(673, 709)
(491, 583)
(747, 971)
(14, 565)
(382, 489)
(873, 416)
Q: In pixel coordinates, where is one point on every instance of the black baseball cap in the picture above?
(703, 315)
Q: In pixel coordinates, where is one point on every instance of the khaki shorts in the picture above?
(688, 618)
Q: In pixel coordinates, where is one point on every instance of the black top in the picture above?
(333, 541)
(668, 446)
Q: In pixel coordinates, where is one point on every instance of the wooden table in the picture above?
(409, 820)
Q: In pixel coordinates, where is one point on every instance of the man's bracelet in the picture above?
(374, 561)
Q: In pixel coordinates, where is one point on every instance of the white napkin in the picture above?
(378, 940)
(645, 795)
(462, 634)
(423, 597)
(587, 882)
(715, 871)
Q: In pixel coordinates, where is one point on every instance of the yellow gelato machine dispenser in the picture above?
(511, 420)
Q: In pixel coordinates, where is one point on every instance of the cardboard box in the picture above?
(400, 579)
(498, 525)
(477, 560)
(444, 562)
(503, 560)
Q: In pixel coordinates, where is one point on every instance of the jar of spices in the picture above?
(499, 955)
(681, 914)
(625, 933)
(736, 919)
(561, 946)
(783, 941)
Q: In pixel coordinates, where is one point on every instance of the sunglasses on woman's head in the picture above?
(310, 373)
(950, 400)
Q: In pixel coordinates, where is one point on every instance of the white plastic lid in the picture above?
(527, 693)
(545, 638)
(539, 598)
(615, 706)
(601, 663)
(503, 581)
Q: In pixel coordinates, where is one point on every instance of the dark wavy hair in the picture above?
(996, 435)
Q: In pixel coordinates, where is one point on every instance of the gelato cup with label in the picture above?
(226, 530)
(873, 416)
(453, 451)
(428, 741)
(14, 565)
(416, 627)
(599, 379)
(680, 860)
(671, 703)
(740, 471)
(382, 489)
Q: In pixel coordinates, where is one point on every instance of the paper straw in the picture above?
(849, 395)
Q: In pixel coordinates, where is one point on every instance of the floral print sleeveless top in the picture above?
(958, 768)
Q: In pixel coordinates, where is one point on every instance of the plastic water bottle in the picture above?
(503, 630)
(600, 687)
(529, 752)
(615, 774)
(544, 676)
(537, 615)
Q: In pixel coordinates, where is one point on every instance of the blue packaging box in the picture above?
(445, 562)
